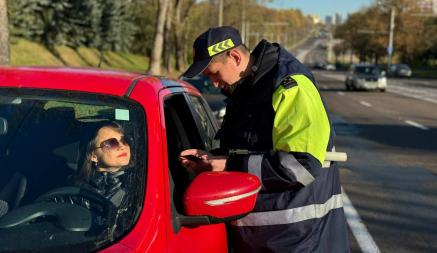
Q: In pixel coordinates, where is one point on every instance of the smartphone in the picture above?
(192, 158)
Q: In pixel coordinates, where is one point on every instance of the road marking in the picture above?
(340, 93)
(362, 235)
(421, 93)
(415, 124)
(365, 103)
(428, 94)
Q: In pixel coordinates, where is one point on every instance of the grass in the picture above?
(425, 73)
(27, 53)
(80, 110)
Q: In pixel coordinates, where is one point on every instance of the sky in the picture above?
(323, 8)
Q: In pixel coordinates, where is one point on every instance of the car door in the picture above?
(188, 124)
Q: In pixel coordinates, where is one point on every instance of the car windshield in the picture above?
(367, 70)
(403, 66)
(54, 189)
(203, 84)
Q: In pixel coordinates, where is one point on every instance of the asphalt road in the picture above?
(391, 174)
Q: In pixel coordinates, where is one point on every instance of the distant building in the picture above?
(338, 20)
(328, 20)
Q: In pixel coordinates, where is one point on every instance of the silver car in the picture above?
(400, 70)
(365, 77)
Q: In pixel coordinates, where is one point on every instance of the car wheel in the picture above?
(382, 90)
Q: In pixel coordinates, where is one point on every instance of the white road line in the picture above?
(425, 94)
(415, 124)
(340, 93)
(365, 103)
(364, 239)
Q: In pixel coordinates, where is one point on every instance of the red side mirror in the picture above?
(222, 194)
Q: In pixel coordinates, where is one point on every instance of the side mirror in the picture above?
(383, 73)
(215, 197)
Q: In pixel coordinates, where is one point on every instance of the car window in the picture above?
(47, 201)
(367, 70)
(204, 122)
(403, 66)
(187, 126)
(203, 84)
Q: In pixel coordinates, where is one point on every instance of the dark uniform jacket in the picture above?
(277, 122)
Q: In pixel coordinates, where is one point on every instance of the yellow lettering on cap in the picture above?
(220, 47)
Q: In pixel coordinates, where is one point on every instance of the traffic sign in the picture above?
(390, 50)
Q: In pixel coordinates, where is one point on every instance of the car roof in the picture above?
(109, 82)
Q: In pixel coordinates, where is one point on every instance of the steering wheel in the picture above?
(80, 196)
(74, 209)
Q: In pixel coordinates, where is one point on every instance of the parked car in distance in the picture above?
(323, 66)
(318, 65)
(330, 66)
(365, 77)
(48, 118)
(400, 70)
(212, 95)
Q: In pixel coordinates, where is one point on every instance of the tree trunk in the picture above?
(178, 38)
(181, 31)
(4, 34)
(167, 37)
(155, 62)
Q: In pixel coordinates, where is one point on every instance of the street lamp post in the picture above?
(220, 13)
(390, 42)
(244, 30)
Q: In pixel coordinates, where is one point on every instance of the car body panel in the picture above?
(211, 238)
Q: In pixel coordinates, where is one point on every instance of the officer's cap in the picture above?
(210, 43)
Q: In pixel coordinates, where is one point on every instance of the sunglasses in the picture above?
(113, 143)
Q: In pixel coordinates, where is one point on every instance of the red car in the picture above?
(47, 119)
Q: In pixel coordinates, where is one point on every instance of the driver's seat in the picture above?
(12, 193)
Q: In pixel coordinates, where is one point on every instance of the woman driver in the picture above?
(108, 153)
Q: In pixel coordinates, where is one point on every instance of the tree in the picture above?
(41, 20)
(168, 39)
(4, 34)
(182, 9)
(367, 32)
(155, 62)
(144, 14)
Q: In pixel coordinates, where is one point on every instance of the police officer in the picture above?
(277, 128)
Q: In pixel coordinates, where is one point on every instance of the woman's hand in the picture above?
(197, 161)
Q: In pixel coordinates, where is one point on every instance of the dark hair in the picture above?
(88, 167)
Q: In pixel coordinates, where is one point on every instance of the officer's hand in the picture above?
(197, 161)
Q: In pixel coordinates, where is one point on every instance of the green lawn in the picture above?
(425, 73)
(27, 53)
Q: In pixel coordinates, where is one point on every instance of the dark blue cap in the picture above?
(210, 43)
